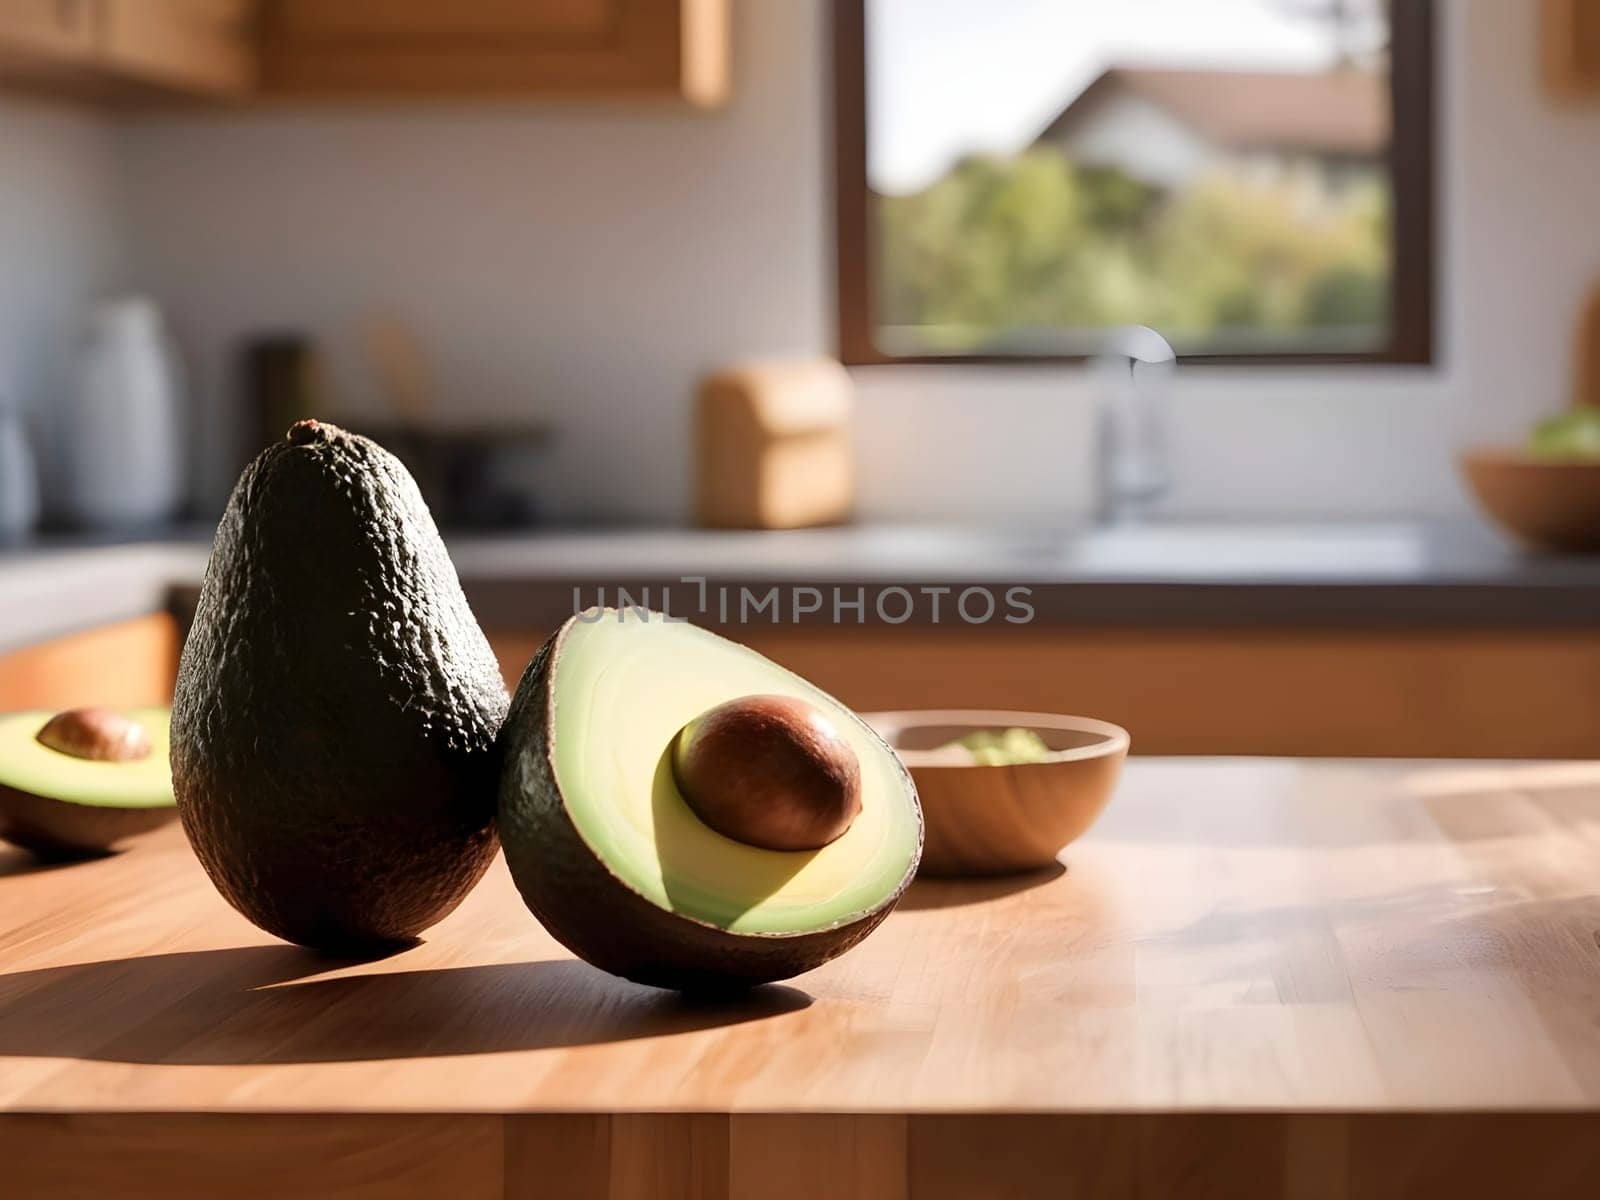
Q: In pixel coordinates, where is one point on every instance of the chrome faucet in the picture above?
(1132, 377)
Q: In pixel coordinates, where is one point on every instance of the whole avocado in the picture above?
(337, 705)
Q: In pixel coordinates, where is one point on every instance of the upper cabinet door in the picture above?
(431, 20)
(136, 50)
(58, 29)
(669, 48)
(193, 46)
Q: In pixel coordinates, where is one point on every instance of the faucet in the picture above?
(1132, 375)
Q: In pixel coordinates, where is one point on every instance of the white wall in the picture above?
(580, 262)
(586, 263)
(60, 248)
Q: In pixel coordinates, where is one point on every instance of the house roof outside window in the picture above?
(1164, 125)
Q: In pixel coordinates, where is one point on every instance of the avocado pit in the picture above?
(96, 734)
(769, 771)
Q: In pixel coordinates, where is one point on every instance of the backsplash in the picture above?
(61, 246)
(581, 263)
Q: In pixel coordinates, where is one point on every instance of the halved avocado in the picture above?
(60, 805)
(615, 863)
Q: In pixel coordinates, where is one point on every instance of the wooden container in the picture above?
(774, 446)
(998, 820)
(1549, 504)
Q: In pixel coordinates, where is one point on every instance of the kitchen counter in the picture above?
(60, 588)
(1272, 977)
(1258, 575)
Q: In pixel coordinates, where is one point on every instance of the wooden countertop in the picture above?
(1372, 976)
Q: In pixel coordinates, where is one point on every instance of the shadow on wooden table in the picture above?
(256, 1004)
(15, 861)
(953, 893)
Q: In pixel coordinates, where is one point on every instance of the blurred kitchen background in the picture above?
(594, 265)
(581, 260)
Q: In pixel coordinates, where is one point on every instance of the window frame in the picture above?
(1412, 166)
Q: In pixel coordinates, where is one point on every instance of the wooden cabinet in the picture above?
(359, 49)
(1382, 693)
(430, 20)
(202, 46)
(52, 29)
(46, 45)
(665, 48)
(130, 49)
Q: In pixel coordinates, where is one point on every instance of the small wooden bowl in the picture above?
(1553, 504)
(984, 820)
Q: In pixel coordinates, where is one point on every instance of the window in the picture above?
(1251, 178)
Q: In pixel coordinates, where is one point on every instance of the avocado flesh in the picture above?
(1572, 435)
(608, 854)
(337, 704)
(623, 691)
(59, 806)
(1001, 747)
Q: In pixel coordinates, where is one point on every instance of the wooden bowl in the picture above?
(1553, 504)
(983, 820)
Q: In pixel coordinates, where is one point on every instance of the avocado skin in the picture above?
(595, 914)
(334, 725)
(58, 830)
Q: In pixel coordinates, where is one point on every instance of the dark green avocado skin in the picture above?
(334, 725)
(58, 830)
(599, 917)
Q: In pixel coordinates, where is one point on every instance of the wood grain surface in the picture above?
(1251, 978)
(396, 48)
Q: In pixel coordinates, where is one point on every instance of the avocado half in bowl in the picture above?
(78, 783)
(680, 811)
